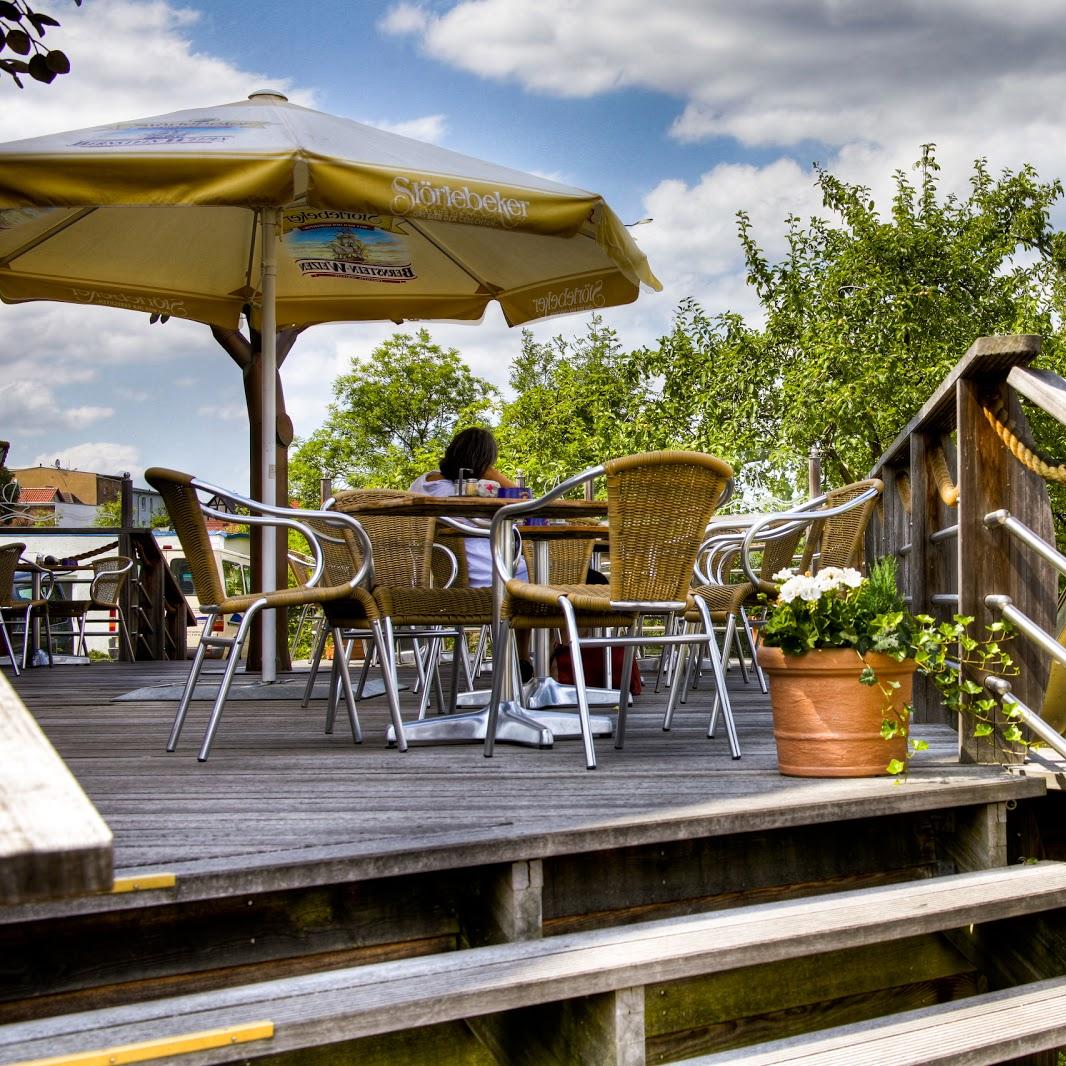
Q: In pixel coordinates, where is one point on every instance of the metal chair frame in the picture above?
(10, 604)
(264, 515)
(631, 641)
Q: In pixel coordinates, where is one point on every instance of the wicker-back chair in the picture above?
(343, 581)
(658, 506)
(834, 526)
(568, 560)
(837, 540)
(105, 594)
(18, 611)
(403, 588)
(400, 548)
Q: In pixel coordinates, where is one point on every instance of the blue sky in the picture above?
(684, 112)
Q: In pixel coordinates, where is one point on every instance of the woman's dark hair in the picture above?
(473, 449)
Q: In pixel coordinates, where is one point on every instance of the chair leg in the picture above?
(722, 698)
(429, 671)
(749, 632)
(227, 679)
(579, 683)
(341, 650)
(316, 660)
(48, 636)
(81, 647)
(7, 644)
(26, 636)
(190, 685)
(624, 684)
(349, 696)
(385, 641)
(364, 672)
(502, 638)
(682, 674)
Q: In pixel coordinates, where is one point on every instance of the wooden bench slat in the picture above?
(359, 1001)
(989, 1028)
(53, 841)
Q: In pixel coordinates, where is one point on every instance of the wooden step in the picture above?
(995, 1027)
(340, 1005)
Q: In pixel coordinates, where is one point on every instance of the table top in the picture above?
(564, 531)
(479, 507)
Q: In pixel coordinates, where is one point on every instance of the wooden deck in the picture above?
(291, 853)
(280, 804)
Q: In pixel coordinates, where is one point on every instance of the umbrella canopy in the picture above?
(295, 217)
(372, 226)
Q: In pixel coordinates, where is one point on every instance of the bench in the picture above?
(601, 973)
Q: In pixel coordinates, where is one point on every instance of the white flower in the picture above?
(800, 587)
(784, 575)
(804, 587)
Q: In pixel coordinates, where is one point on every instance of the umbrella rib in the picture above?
(486, 286)
(47, 235)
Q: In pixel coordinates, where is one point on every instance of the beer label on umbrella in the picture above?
(341, 245)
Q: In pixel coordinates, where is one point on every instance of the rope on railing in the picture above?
(903, 487)
(949, 491)
(91, 552)
(1024, 450)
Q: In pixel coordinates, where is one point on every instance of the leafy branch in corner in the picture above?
(22, 31)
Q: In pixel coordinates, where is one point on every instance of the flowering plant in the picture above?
(839, 608)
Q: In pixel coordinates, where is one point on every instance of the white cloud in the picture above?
(403, 18)
(226, 412)
(128, 60)
(100, 456)
(772, 74)
(429, 128)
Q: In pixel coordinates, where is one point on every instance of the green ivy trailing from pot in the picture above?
(839, 608)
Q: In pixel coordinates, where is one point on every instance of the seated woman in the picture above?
(474, 450)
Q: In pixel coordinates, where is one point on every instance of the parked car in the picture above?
(231, 551)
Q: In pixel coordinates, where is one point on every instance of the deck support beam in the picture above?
(606, 1029)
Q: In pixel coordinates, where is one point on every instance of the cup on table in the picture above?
(516, 492)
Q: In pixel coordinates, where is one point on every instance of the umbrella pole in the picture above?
(269, 357)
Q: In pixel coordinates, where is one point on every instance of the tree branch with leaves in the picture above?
(22, 31)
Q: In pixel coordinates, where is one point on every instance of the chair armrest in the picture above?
(108, 575)
(511, 511)
(788, 521)
(451, 557)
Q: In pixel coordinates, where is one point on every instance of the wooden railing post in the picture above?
(920, 587)
(989, 561)
(980, 561)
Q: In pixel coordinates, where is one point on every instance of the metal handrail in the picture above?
(1029, 718)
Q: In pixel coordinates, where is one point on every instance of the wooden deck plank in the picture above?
(279, 804)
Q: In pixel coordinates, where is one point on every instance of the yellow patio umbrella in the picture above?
(296, 217)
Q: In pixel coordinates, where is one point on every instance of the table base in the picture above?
(515, 724)
(544, 693)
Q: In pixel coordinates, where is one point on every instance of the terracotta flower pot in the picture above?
(827, 724)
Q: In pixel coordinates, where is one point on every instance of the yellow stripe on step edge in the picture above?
(143, 882)
(155, 1049)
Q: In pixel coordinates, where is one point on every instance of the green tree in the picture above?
(865, 315)
(109, 515)
(392, 416)
(576, 402)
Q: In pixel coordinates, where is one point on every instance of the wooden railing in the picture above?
(949, 477)
(152, 601)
